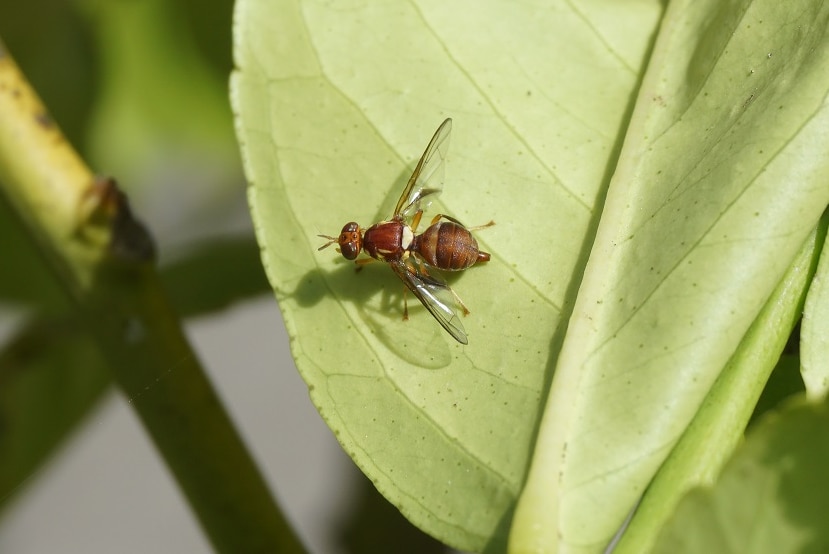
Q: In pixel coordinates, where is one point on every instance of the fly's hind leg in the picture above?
(490, 223)
(452, 219)
(460, 302)
(405, 305)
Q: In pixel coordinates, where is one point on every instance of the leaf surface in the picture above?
(722, 176)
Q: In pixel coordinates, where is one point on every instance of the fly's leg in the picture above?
(362, 262)
(484, 226)
(416, 220)
(412, 268)
(450, 218)
(405, 305)
(460, 302)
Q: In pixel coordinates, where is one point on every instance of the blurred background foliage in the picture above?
(141, 100)
(139, 87)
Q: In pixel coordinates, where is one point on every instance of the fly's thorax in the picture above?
(384, 241)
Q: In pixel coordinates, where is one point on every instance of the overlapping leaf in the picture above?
(722, 177)
(770, 498)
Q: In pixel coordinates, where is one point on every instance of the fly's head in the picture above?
(350, 241)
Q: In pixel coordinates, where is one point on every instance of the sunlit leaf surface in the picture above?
(722, 177)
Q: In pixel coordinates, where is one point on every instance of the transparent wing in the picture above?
(427, 180)
(435, 295)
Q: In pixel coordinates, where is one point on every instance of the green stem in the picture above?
(103, 257)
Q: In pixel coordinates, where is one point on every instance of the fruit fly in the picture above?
(445, 245)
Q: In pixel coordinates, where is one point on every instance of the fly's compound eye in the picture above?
(350, 241)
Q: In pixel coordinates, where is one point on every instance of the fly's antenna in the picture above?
(331, 240)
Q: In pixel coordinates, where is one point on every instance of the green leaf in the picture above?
(334, 106)
(718, 425)
(722, 176)
(814, 343)
(771, 498)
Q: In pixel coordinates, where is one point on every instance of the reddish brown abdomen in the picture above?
(448, 246)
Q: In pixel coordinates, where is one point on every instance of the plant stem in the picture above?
(104, 259)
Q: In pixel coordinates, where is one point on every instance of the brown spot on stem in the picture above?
(129, 239)
(44, 120)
